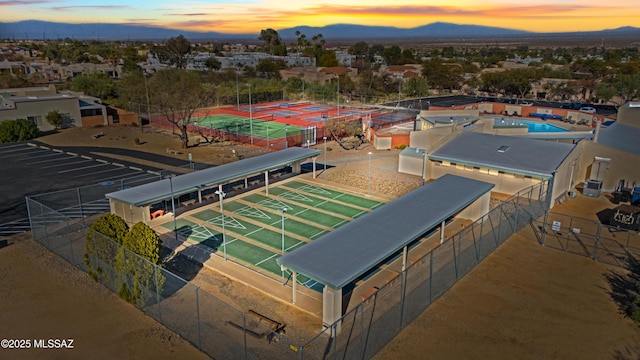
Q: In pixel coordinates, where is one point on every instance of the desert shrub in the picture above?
(401, 147)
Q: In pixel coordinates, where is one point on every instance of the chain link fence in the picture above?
(224, 332)
(603, 243)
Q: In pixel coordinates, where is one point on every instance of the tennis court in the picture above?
(315, 108)
(241, 125)
(253, 223)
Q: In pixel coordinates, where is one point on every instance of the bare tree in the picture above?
(178, 94)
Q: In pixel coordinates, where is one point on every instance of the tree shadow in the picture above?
(624, 289)
(628, 352)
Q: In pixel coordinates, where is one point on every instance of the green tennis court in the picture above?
(326, 204)
(246, 126)
(334, 195)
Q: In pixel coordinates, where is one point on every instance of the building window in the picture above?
(36, 120)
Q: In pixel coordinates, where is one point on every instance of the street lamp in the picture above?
(146, 89)
(237, 91)
(286, 141)
(282, 211)
(324, 173)
(424, 165)
(173, 206)
(369, 176)
(221, 195)
(250, 118)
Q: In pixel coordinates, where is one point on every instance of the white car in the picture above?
(588, 109)
(526, 103)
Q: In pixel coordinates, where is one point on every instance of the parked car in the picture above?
(573, 105)
(526, 103)
(588, 109)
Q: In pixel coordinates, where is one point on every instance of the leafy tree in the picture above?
(177, 51)
(55, 118)
(141, 273)
(17, 130)
(392, 55)
(100, 247)
(99, 85)
(270, 38)
(178, 94)
(270, 69)
(605, 92)
(212, 63)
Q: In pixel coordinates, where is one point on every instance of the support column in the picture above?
(405, 251)
(246, 182)
(442, 232)
(199, 195)
(294, 287)
(266, 182)
(314, 167)
(331, 306)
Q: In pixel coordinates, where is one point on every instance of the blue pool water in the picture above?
(542, 127)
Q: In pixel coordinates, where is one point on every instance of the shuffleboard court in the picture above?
(269, 238)
(326, 204)
(301, 212)
(335, 195)
(195, 232)
(292, 226)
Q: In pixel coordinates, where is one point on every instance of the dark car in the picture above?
(572, 105)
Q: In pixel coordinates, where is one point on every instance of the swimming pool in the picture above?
(542, 127)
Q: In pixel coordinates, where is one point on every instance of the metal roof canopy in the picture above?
(537, 158)
(349, 251)
(152, 192)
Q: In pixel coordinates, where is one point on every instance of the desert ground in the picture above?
(523, 301)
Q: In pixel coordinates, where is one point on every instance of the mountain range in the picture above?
(35, 29)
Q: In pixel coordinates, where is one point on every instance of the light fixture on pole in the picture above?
(424, 166)
(173, 205)
(221, 196)
(369, 176)
(282, 211)
(324, 173)
(338, 99)
(286, 142)
(146, 89)
(237, 92)
(250, 118)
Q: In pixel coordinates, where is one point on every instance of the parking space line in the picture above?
(102, 161)
(117, 164)
(16, 150)
(57, 150)
(103, 171)
(48, 154)
(18, 155)
(86, 157)
(11, 146)
(82, 168)
(135, 168)
(71, 153)
(77, 162)
(50, 160)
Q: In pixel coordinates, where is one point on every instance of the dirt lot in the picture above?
(524, 301)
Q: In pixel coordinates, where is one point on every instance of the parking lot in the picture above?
(34, 168)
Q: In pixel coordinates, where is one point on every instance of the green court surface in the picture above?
(271, 239)
(301, 212)
(319, 203)
(246, 126)
(335, 195)
(291, 226)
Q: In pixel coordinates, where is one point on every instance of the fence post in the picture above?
(431, 276)
(197, 314)
(73, 261)
(95, 248)
(597, 242)
(158, 297)
(244, 333)
(80, 204)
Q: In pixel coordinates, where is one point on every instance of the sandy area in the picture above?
(524, 301)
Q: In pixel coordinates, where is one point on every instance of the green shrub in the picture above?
(401, 147)
(17, 130)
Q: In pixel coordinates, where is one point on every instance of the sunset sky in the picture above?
(251, 16)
